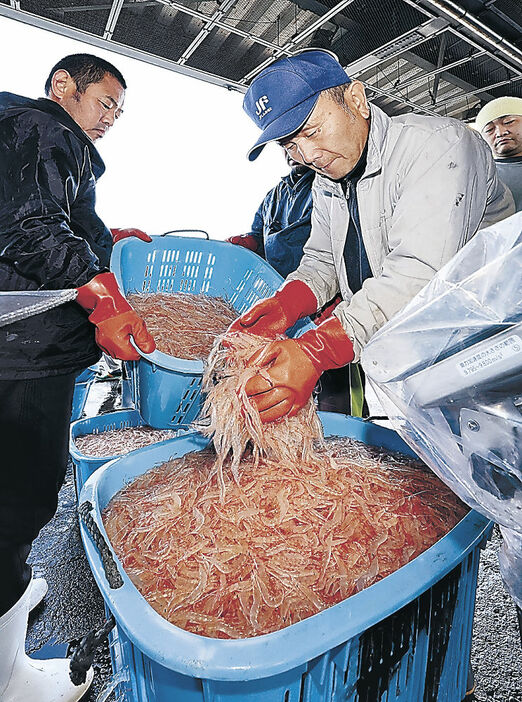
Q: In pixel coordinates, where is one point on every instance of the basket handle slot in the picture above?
(109, 564)
(186, 231)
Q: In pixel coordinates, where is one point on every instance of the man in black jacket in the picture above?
(50, 239)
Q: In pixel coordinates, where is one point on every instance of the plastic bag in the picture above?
(448, 370)
(18, 305)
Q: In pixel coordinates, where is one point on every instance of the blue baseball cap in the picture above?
(281, 98)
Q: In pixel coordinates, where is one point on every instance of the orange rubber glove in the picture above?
(276, 314)
(292, 368)
(246, 240)
(114, 318)
(118, 234)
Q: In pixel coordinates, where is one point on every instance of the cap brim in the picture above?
(284, 125)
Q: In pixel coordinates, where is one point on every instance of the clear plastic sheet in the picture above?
(448, 371)
(18, 305)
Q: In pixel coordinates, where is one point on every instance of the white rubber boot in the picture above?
(38, 587)
(23, 679)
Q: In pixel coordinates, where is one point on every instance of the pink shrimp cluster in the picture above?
(184, 325)
(232, 420)
(117, 442)
(281, 543)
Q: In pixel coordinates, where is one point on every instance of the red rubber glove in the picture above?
(118, 234)
(114, 318)
(246, 240)
(276, 314)
(292, 368)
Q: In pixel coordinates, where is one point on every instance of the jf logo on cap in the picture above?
(281, 98)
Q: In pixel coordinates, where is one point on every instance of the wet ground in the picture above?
(73, 605)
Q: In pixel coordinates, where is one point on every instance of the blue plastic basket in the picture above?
(406, 638)
(81, 390)
(85, 465)
(167, 390)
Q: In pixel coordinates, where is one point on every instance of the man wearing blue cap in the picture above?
(394, 200)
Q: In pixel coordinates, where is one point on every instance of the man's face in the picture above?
(504, 135)
(333, 138)
(95, 110)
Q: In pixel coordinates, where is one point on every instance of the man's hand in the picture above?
(246, 240)
(274, 315)
(114, 319)
(118, 234)
(291, 368)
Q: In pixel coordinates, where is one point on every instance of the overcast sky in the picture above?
(176, 158)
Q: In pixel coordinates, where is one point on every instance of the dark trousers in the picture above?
(34, 445)
(334, 391)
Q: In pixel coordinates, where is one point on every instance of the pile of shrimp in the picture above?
(234, 423)
(184, 325)
(289, 540)
(116, 442)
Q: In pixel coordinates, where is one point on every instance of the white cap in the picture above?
(500, 107)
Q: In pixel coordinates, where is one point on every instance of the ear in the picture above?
(61, 84)
(359, 100)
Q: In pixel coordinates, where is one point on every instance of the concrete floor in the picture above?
(73, 605)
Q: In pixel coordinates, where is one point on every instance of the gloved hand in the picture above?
(292, 368)
(327, 311)
(246, 240)
(276, 314)
(114, 318)
(118, 234)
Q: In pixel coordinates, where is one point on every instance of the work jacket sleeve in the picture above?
(36, 236)
(317, 267)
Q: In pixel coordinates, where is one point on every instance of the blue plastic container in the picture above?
(81, 390)
(167, 390)
(85, 465)
(406, 638)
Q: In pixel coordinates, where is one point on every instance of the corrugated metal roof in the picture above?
(430, 56)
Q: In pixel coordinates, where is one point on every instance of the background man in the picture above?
(282, 223)
(51, 238)
(394, 199)
(500, 123)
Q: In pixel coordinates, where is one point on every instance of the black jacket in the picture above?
(50, 235)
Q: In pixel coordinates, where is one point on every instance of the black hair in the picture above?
(337, 93)
(85, 69)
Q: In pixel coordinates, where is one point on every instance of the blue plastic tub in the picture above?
(85, 465)
(81, 390)
(167, 390)
(406, 638)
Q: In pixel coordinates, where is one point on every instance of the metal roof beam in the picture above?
(396, 47)
(509, 53)
(223, 25)
(479, 91)
(440, 60)
(289, 46)
(113, 18)
(416, 96)
(115, 47)
(399, 99)
(419, 96)
(459, 83)
(441, 69)
(490, 5)
(203, 34)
